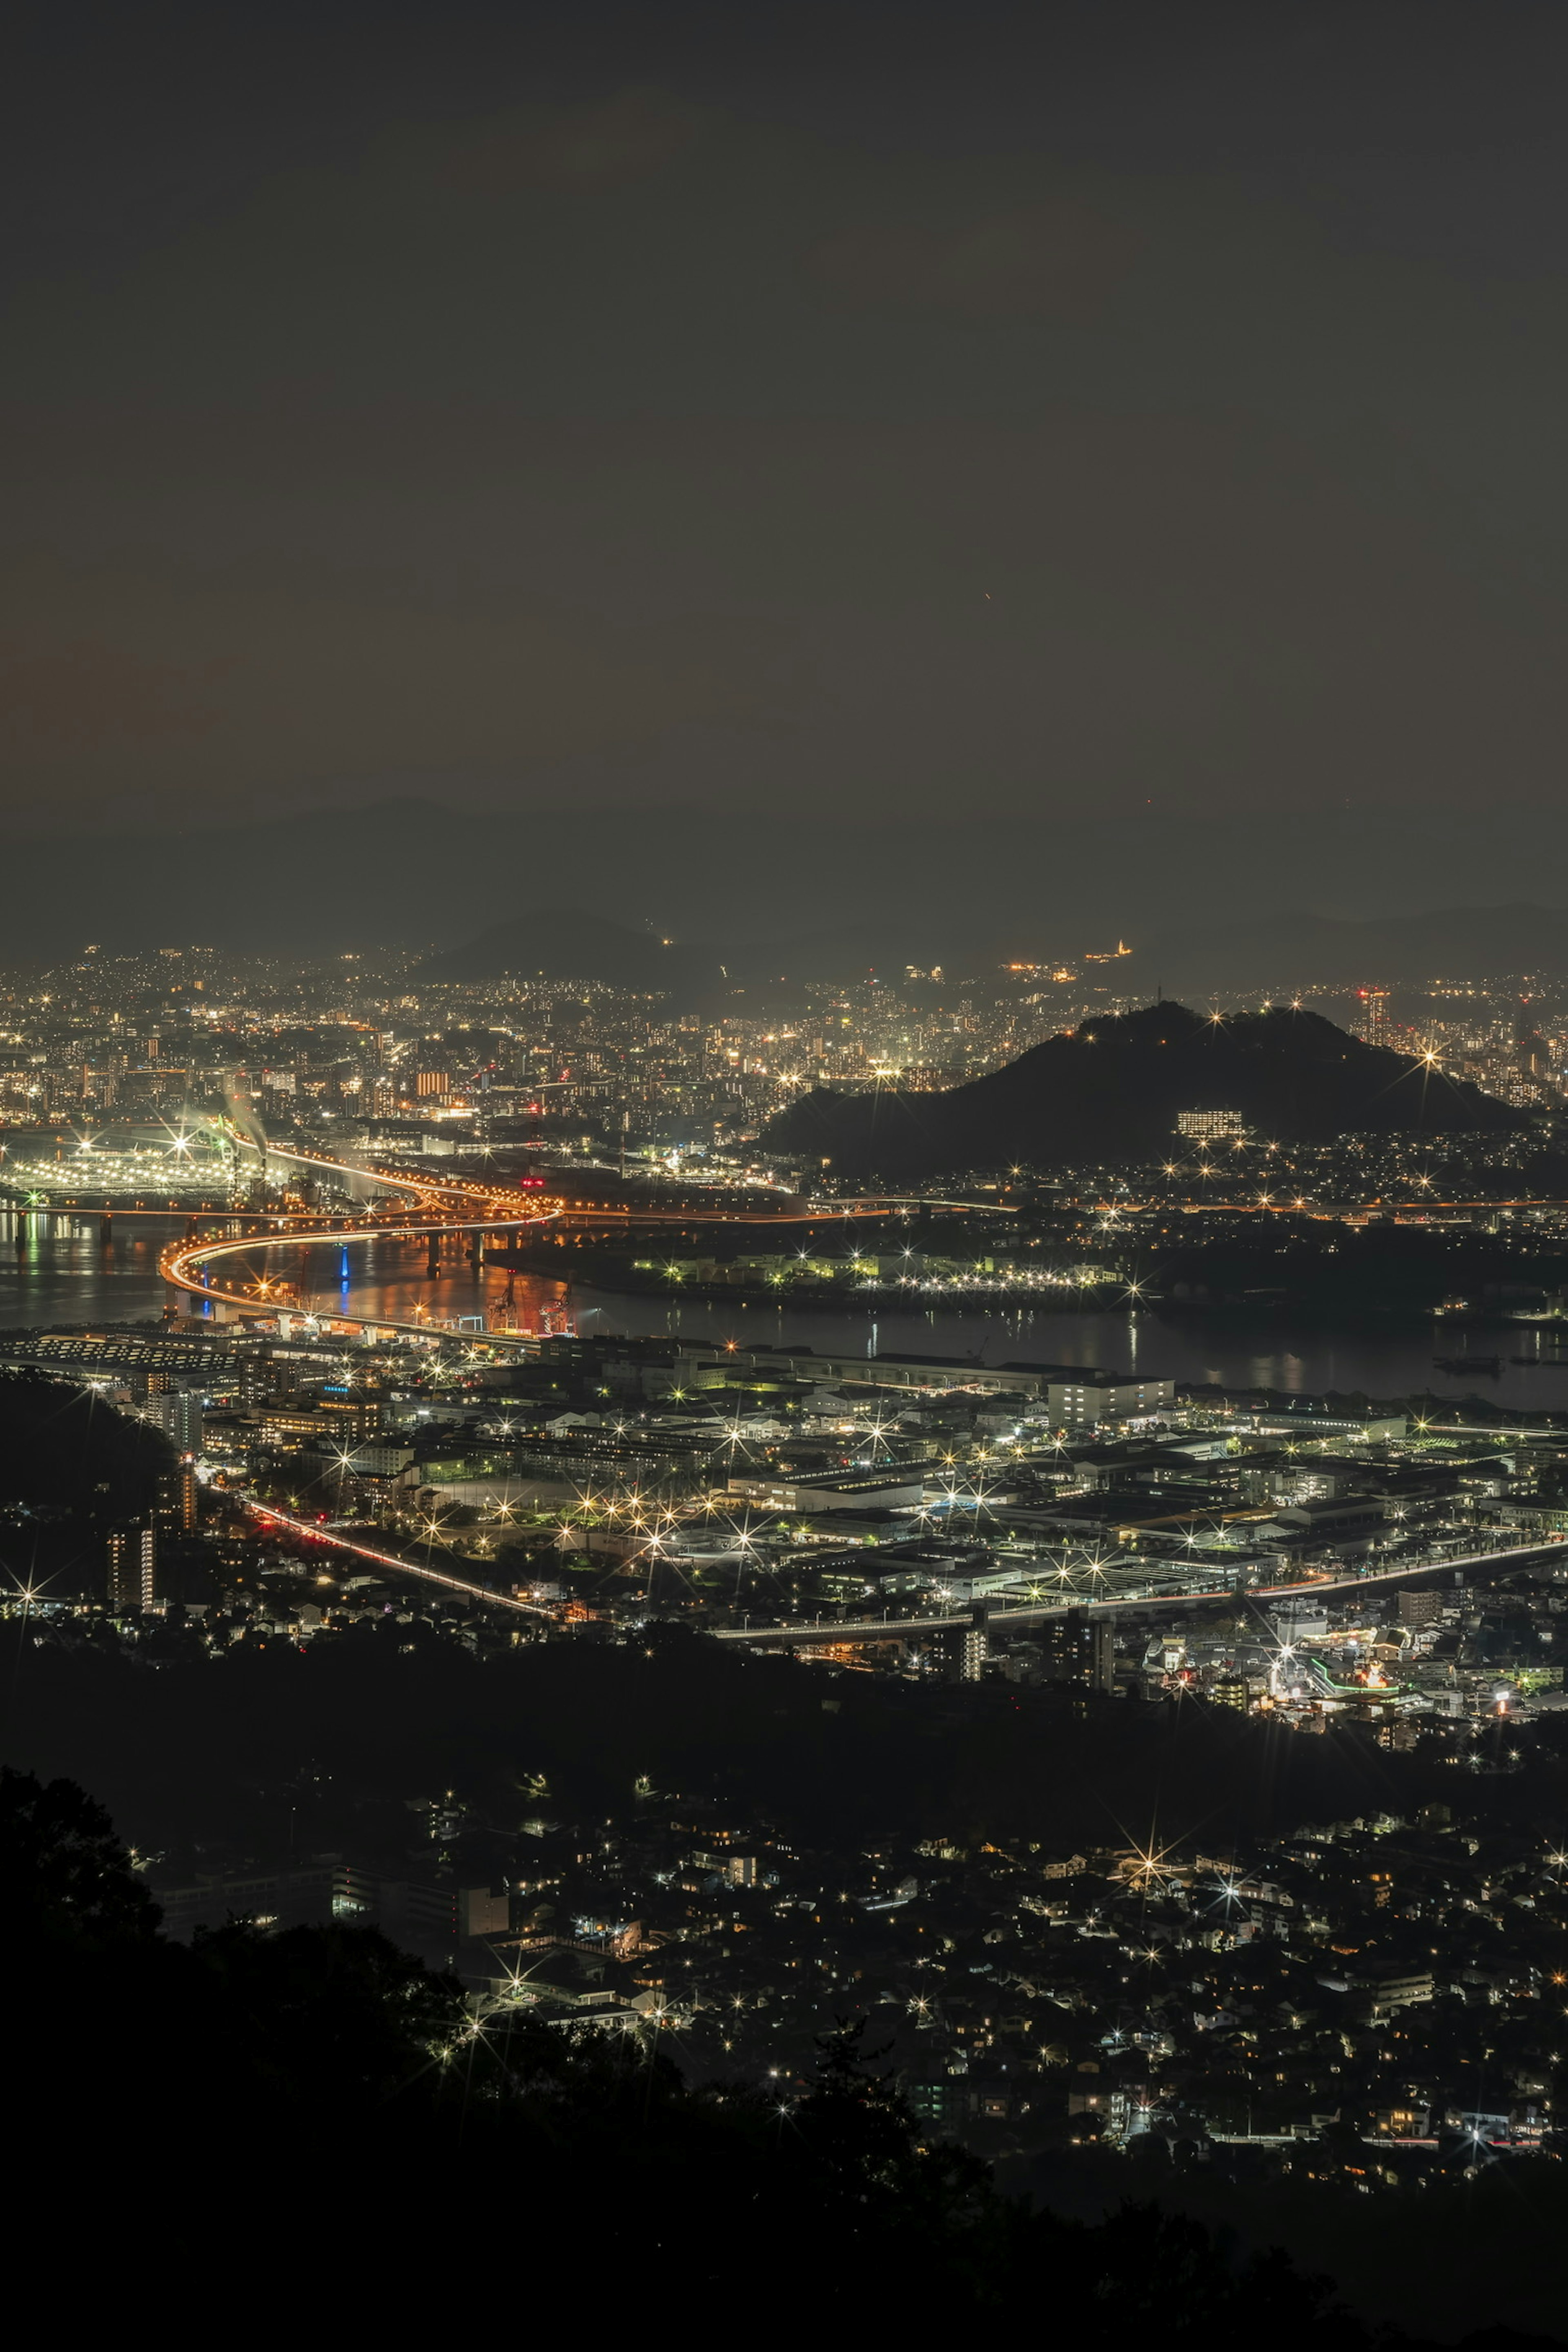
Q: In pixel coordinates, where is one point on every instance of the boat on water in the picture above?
(1492, 1365)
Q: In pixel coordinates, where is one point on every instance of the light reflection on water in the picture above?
(65, 1276)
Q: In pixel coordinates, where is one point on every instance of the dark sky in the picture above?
(870, 413)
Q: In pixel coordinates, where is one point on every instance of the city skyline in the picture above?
(783, 1168)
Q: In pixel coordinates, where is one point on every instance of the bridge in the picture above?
(466, 1204)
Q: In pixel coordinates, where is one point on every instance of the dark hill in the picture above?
(571, 945)
(1111, 1089)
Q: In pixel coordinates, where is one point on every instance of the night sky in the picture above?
(829, 420)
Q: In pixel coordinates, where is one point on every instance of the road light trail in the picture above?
(467, 1205)
(270, 1516)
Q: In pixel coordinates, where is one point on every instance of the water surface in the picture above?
(64, 1275)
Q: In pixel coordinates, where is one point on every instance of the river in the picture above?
(65, 1276)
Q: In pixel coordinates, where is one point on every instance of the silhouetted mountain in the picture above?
(424, 873)
(571, 945)
(1294, 950)
(1112, 1090)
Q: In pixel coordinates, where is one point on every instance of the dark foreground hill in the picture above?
(252, 2048)
(1112, 1089)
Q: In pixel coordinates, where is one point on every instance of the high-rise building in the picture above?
(1532, 1057)
(973, 1650)
(967, 1651)
(130, 1565)
(176, 1513)
(1082, 1649)
(122, 1570)
(1371, 1023)
(178, 1413)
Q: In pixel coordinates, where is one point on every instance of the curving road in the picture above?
(464, 1204)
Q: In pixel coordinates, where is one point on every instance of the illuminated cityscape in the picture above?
(497, 1333)
(784, 1171)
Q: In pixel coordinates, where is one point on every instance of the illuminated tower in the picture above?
(1372, 1010)
(176, 1512)
(1082, 1649)
(1531, 1059)
(131, 1566)
(121, 1566)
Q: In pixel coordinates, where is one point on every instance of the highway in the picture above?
(827, 1634)
(436, 1205)
(466, 1205)
(897, 1629)
(269, 1515)
(1302, 1204)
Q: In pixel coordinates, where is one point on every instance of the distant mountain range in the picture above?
(568, 944)
(1272, 958)
(1285, 950)
(1112, 1090)
(781, 896)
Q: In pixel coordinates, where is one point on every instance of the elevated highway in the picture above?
(853, 1631)
(433, 1205)
(466, 1204)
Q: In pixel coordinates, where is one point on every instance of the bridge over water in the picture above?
(467, 1204)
